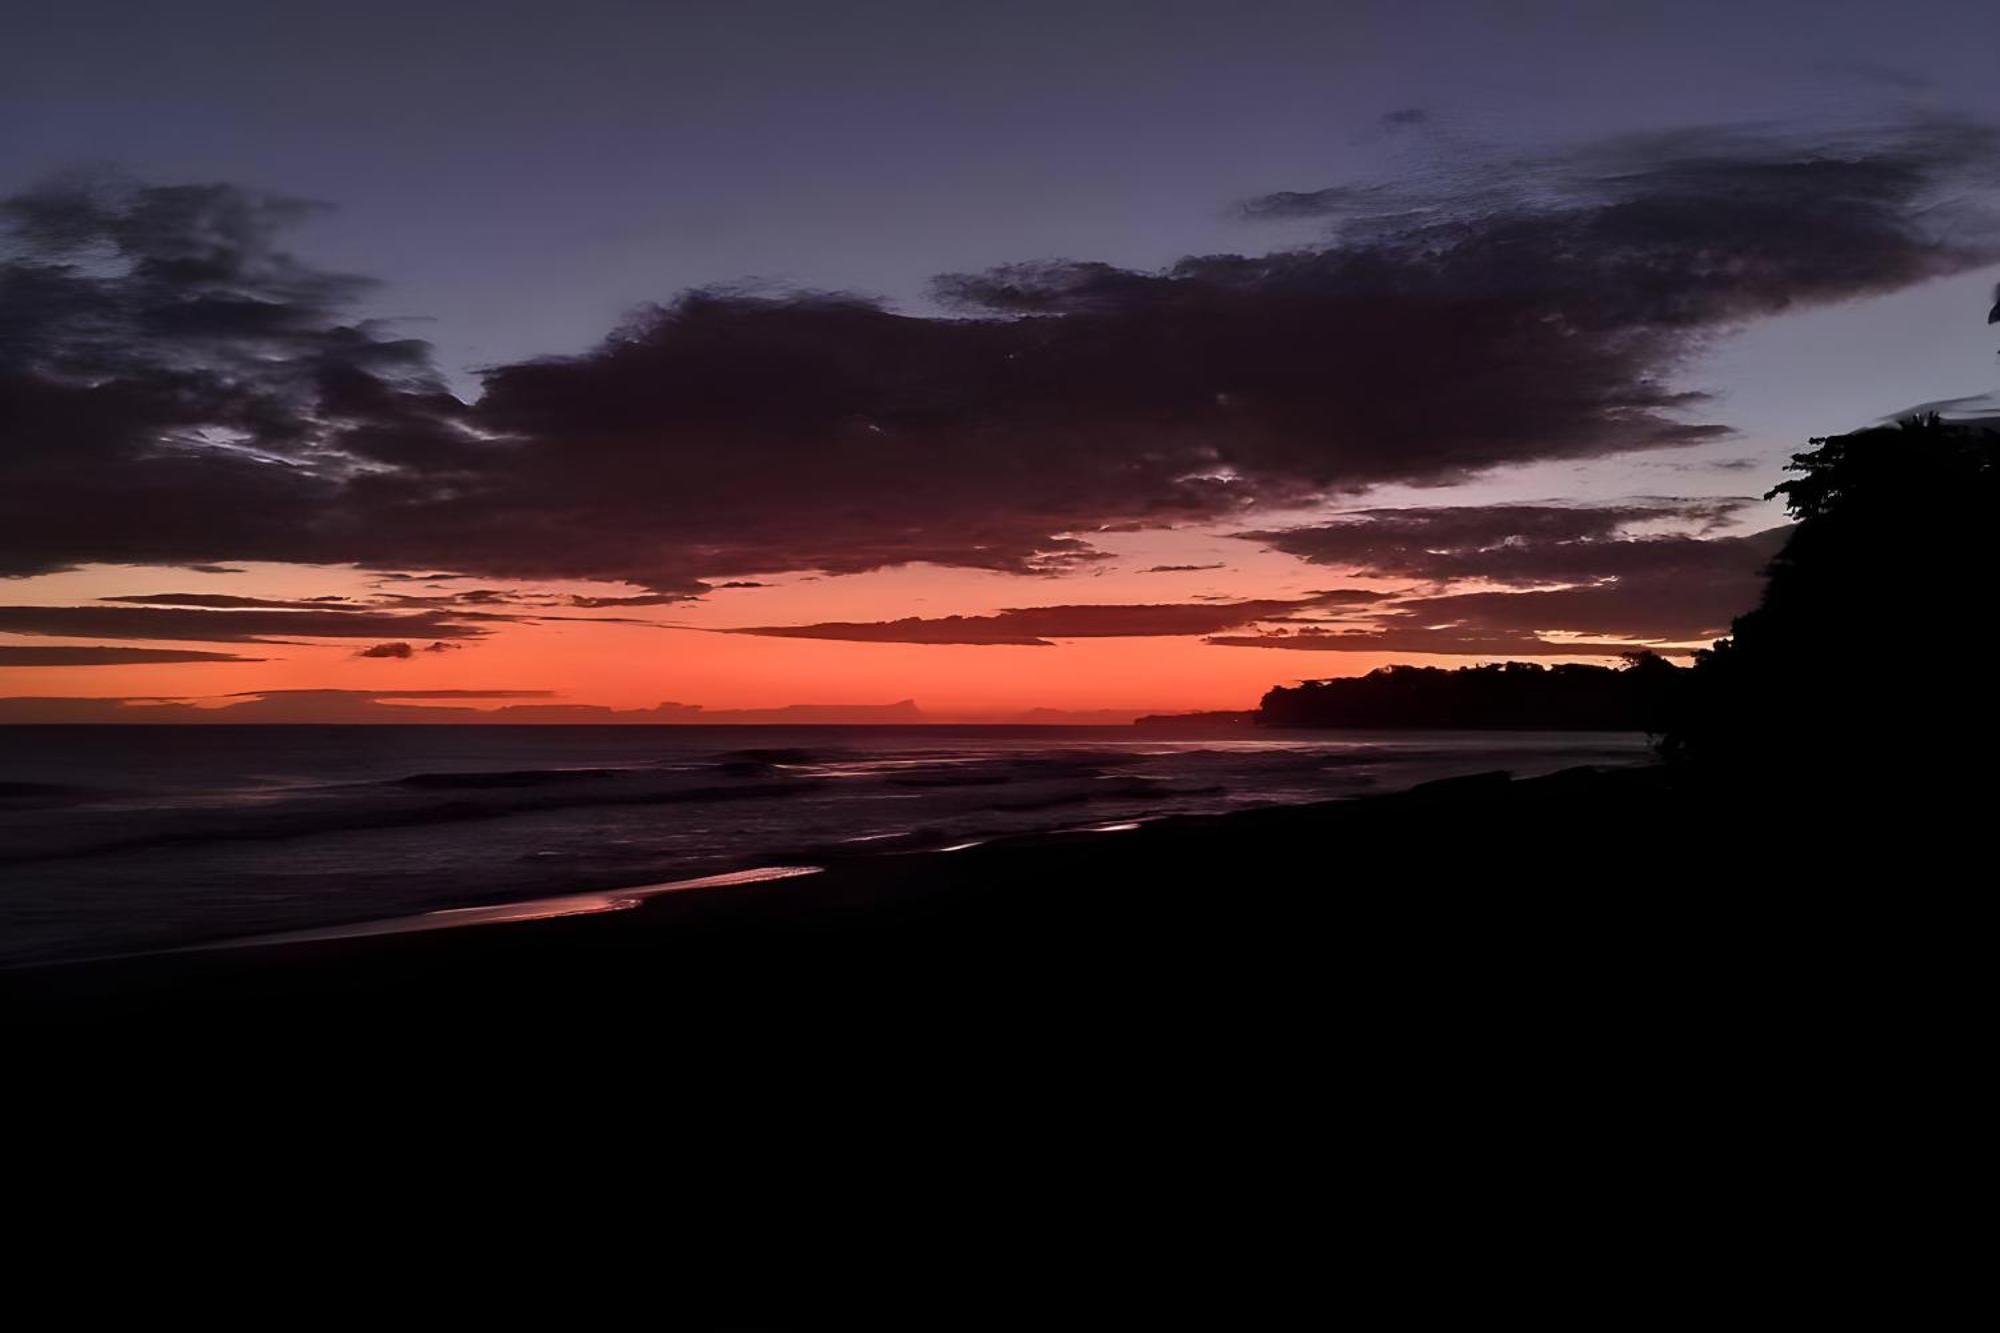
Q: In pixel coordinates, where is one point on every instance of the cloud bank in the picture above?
(1614, 589)
(175, 388)
(1039, 626)
(207, 626)
(37, 655)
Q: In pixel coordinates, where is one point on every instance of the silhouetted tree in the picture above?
(1871, 643)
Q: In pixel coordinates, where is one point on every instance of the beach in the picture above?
(1275, 922)
(1556, 931)
(134, 840)
(932, 1084)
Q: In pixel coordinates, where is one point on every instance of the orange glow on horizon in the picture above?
(596, 657)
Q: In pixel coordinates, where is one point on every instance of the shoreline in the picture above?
(1463, 957)
(1571, 887)
(547, 908)
(358, 817)
(1154, 874)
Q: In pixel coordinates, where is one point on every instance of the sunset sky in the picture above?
(1093, 358)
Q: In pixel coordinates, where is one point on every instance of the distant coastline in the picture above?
(1503, 696)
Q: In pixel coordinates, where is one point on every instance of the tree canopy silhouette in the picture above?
(1871, 640)
(1500, 695)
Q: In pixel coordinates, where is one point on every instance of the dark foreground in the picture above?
(1588, 906)
(1475, 1016)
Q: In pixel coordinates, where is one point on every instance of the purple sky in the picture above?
(521, 174)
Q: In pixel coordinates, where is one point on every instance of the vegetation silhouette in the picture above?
(1823, 685)
(1827, 675)
(1498, 696)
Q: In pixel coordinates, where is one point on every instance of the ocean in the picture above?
(118, 840)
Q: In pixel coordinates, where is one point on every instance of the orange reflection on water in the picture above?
(532, 909)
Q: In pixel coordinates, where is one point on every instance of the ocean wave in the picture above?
(148, 840)
(786, 756)
(194, 827)
(950, 777)
(525, 777)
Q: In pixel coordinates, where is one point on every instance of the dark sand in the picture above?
(1560, 1046)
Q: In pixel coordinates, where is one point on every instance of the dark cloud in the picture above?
(361, 706)
(12, 655)
(528, 605)
(1446, 642)
(441, 600)
(225, 601)
(484, 597)
(400, 650)
(1527, 543)
(662, 598)
(990, 630)
(1181, 569)
(175, 388)
(641, 599)
(1674, 600)
(1038, 626)
(56, 709)
(393, 694)
(201, 625)
(1673, 588)
(1341, 596)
